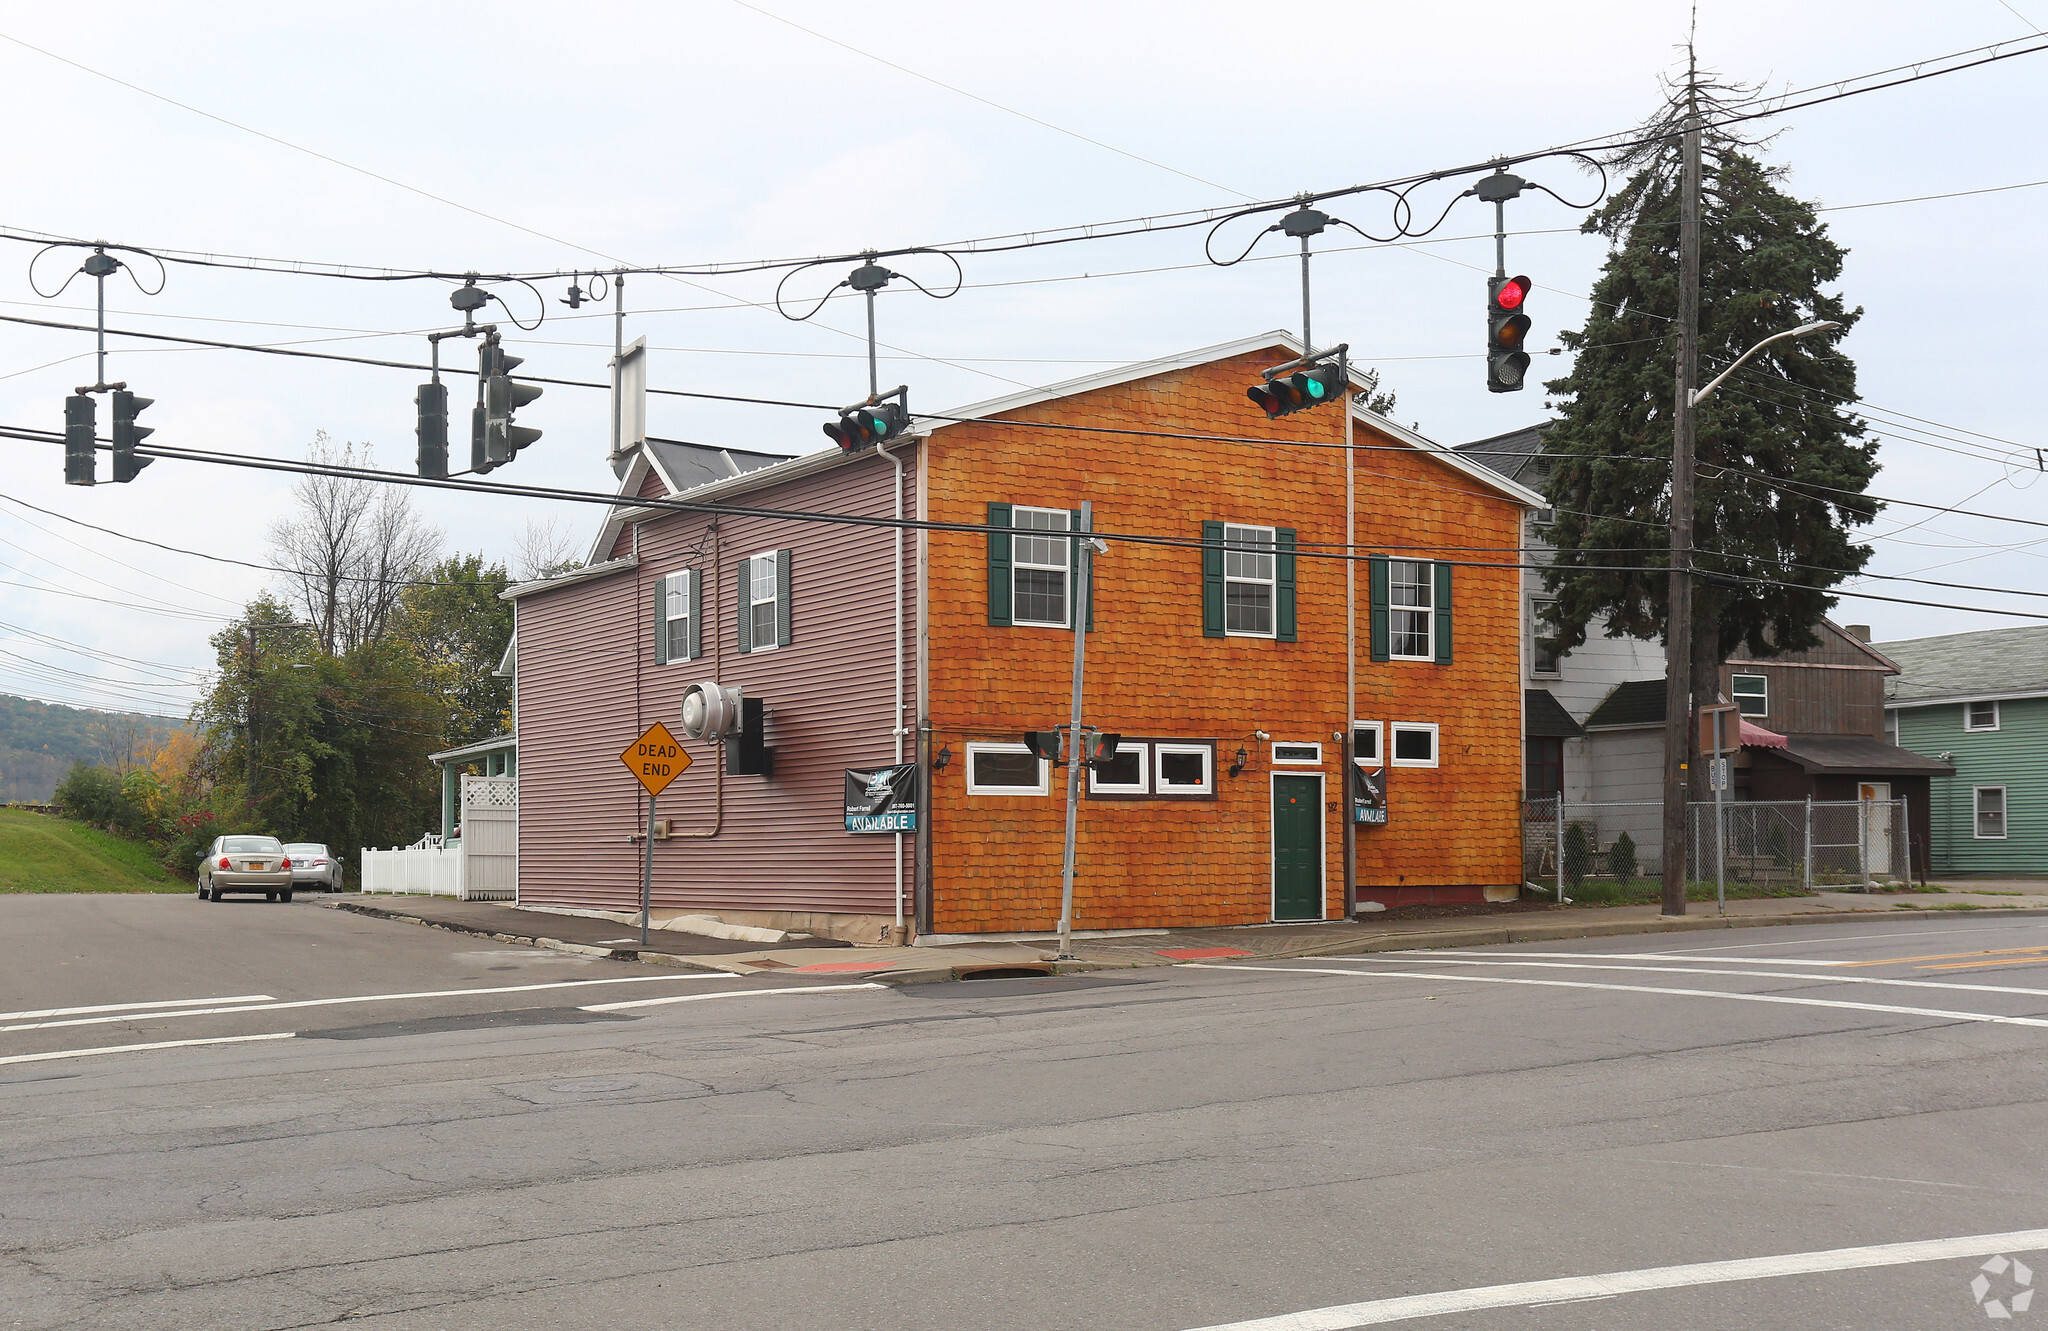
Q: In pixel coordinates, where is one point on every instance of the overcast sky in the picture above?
(557, 137)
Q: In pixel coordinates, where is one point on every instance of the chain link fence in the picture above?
(1613, 851)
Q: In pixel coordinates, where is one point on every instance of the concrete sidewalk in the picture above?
(1430, 927)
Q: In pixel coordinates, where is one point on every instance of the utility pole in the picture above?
(1678, 632)
(1077, 752)
(249, 706)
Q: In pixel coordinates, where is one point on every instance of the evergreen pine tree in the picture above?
(1781, 465)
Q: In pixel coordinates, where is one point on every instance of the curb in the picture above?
(1492, 936)
(550, 944)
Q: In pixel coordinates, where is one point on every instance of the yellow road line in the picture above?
(1948, 956)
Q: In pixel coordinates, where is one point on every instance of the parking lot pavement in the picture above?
(88, 973)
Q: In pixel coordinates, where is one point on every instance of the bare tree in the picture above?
(545, 549)
(351, 545)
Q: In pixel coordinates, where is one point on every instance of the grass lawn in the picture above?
(1649, 892)
(39, 853)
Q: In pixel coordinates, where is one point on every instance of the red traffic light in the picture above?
(1511, 293)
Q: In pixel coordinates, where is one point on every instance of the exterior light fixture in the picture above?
(1238, 762)
(944, 756)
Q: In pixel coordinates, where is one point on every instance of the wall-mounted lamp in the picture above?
(1237, 763)
(944, 756)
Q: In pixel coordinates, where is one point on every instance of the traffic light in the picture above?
(1310, 387)
(81, 436)
(127, 434)
(864, 427)
(501, 438)
(432, 400)
(1102, 748)
(1507, 328)
(1044, 743)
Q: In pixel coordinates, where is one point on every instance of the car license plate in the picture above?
(255, 866)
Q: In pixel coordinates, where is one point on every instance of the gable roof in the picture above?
(1510, 453)
(1990, 663)
(1278, 339)
(689, 468)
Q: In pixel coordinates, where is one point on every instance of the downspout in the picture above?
(898, 934)
(1350, 736)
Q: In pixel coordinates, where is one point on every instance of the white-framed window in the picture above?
(1980, 715)
(1751, 694)
(1297, 755)
(1038, 568)
(1411, 599)
(1006, 769)
(1129, 773)
(1544, 658)
(760, 608)
(1183, 769)
(1989, 807)
(1365, 743)
(675, 615)
(1248, 581)
(1413, 743)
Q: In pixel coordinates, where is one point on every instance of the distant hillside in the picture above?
(41, 741)
(43, 854)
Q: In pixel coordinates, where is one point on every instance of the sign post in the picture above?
(655, 759)
(1720, 737)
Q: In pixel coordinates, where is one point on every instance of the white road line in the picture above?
(1649, 989)
(1378, 1312)
(1814, 977)
(370, 998)
(1888, 933)
(132, 1048)
(1633, 956)
(120, 1007)
(732, 993)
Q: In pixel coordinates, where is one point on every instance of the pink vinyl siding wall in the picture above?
(588, 685)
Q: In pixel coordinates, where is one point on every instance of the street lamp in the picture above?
(1699, 395)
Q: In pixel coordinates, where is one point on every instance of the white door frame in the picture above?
(1322, 846)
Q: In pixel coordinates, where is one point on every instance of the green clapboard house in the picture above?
(1980, 702)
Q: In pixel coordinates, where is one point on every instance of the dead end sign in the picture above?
(655, 759)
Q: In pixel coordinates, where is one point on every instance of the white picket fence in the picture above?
(433, 870)
(482, 866)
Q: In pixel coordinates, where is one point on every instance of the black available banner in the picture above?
(881, 799)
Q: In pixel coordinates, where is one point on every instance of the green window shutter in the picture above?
(1074, 566)
(1378, 579)
(1443, 614)
(661, 621)
(1212, 579)
(745, 617)
(1283, 584)
(782, 637)
(999, 567)
(696, 613)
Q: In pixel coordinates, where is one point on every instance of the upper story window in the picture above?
(1414, 743)
(1411, 609)
(764, 610)
(1980, 715)
(1365, 743)
(678, 610)
(1039, 568)
(1751, 694)
(1031, 577)
(1544, 657)
(1249, 577)
(1410, 600)
(1248, 581)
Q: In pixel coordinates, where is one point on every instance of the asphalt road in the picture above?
(1734, 1130)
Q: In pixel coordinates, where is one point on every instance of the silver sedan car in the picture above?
(313, 868)
(245, 864)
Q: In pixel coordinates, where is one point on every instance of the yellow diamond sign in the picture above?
(655, 759)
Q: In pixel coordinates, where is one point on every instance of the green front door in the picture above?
(1297, 848)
